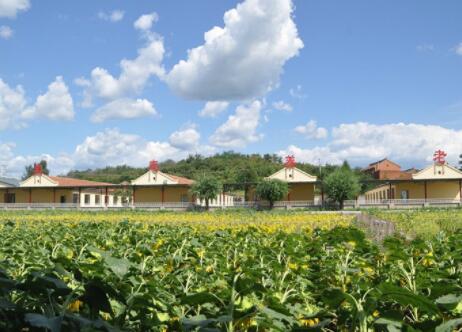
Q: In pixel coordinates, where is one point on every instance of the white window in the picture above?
(97, 199)
(87, 199)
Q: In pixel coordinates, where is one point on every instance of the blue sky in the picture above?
(324, 80)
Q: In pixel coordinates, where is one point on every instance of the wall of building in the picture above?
(219, 201)
(443, 189)
(380, 193)
(177, 194)
(154, 194)
(301, 192)
(22, 195)
(416, 190)
(46, 195)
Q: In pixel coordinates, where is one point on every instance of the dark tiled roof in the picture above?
(10, 181)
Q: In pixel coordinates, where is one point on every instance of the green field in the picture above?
(424, 223)
(232, 271)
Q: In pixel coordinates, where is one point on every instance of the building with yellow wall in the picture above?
(301, 184)
(44, 189)
(436, 182)
(157, 187)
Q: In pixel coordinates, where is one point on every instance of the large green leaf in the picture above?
(52, 324)
(405, 297)
(199, 299)
(449, 326)
(449, 301)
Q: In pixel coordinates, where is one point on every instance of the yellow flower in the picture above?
(376, 314)
(309, 322)
(201, 253)
(105, 316)
(75, 306)
(293, 266)
(158, 244)
(209, 269)
(352, 244)
(368, 271)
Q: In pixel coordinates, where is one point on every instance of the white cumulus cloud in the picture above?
(113, 16)
(12, 103)
(311, 130)
(213, 108)
(112, 147)
(241, 128)
(145, 22)
(133, 78)
(244, 58)
(124, 109)
(361, 143)
(10, 8)
(55, 104)
(185, 139)
(6, 32)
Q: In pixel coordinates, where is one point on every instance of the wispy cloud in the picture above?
(425, 47)
(6, 32)
(113, 16)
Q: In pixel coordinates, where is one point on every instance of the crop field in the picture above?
(227, 271)
(424, 223)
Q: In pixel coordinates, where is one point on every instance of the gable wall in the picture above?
(438, 172)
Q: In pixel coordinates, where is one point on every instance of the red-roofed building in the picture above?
(44, 189)
(156, 187)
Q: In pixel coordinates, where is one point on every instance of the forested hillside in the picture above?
(228, 167)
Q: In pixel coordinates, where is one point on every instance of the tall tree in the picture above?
(206, 188)
(342, 184)
(272, 190)
(246, 177)
(29, 169)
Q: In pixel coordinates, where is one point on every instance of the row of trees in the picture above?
(240, 170)
(340, 185)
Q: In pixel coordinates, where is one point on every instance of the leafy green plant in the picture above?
(342, 184)
(110, 272)
(272, 190)
(206, 188)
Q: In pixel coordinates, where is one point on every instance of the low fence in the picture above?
(348, 205)
(403, 203)
(376, 228)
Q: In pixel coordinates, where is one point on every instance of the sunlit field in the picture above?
(424, 223)
(225, 271)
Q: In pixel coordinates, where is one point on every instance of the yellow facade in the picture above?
(39, 195)
(435, 190)
(301, 192)
(297, 192)
(444, 189)
(154, 194)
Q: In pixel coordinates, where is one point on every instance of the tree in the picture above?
(206, 188)
(272, 190)
(29, 170)
(246, 177)
(342, 184)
